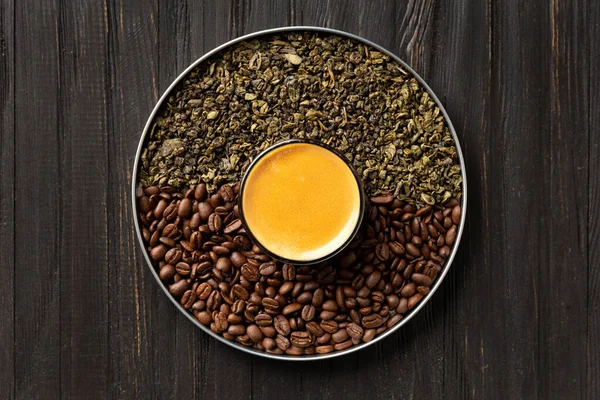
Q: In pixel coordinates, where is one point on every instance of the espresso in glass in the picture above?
(301, 201)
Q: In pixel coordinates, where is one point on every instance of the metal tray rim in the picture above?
(449, 261)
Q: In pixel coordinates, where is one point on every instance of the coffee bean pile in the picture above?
(209, 264)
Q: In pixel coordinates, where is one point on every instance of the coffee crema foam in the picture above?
(301, 201)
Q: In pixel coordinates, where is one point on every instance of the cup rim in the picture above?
(361, 195)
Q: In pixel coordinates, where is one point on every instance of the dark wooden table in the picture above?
(518, 316)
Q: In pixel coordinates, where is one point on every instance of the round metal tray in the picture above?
(239, 346)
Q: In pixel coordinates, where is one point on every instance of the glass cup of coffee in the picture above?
(301, 201)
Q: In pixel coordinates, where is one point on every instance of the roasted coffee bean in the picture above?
(200, 192)
(408, 290)
(167, 272)
(238, 259)
(220, 320)
(160, 208)
(324, 349)
(289, 272)
(167, 241)
(214, 222)
(205, 210)
(372, 321)
(254, 333)
(343, 345)
(355, 331)
(414, 300)
(382, 251)
(369, 335)
(393, 320)
(185, 208)
(301, 339)
(415, 226)
(340, 336)
(456, 215)
(330, 305)
(314, 328)
(227, 193)
(250, 272)
(291, 308)
(245, 340)
(444, 252)
(327, 315)
(223, 264)
(263, 320)
(221, 251)
(232, 227)
(423, 290)
(286, 288)
(237, 330)
(382, 199)
(216, 200)
(294, 350)
(392, 300)
(268, 268)
(235, 319)
(324, 338)
(203, 267)
(170, 212)
(282, 325)
(188, 299)
(204, 317)
(214, 300)
(447, 222)
(242, 243)
(268, 343)
(240, 292)
(183, 268)
(173, 256)
(233, 287)
(396, 248)
(377, 296)
(179, 288)
(270, 304)
(308, 312)
(347, 259)
(373, 278)
(329, 326)
(421, 279)
(158, 252)
(412, 250)
(268, 331)
(451, 235)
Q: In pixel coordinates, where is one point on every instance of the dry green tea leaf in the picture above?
(343, 93)
(293, 58)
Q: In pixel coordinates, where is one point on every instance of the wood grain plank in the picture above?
(520, 120)
(563, 286)
(134, 368)
(260, 15)
(415, 33)
(458, 71)
(38, 194)
(84, 165)
(7, 197)
(593, 296)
